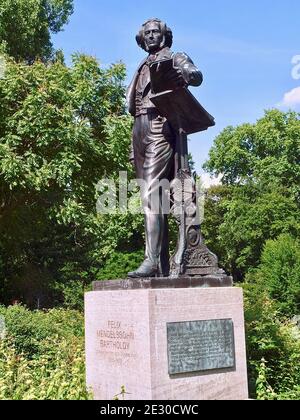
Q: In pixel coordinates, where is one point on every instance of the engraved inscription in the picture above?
(114, 337)
(200, 346)
(115, 342)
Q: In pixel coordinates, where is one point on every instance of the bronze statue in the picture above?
(162, 120)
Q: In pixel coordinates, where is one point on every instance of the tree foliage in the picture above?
(273, 348)
(26, 26)
(239, 220)
(259, 198)
(61, 131)
(279, 274)
(267, 152)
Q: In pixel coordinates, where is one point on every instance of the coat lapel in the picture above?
(130, 96)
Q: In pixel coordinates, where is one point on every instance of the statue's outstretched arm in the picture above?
(192, 75)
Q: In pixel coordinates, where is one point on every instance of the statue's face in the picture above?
(153, 37)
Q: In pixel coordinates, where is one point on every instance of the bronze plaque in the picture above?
(200, 346)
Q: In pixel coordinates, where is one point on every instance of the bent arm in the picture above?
(191, 74)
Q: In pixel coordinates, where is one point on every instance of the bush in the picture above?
(279, 274)
(29, 330)
(57, 375)
(42, 355)
(273, 348)
(119, 264)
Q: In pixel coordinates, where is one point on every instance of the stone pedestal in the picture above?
(130, 342)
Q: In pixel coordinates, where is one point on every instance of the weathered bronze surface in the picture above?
(200, 346)
(193, 117)
(165, 112)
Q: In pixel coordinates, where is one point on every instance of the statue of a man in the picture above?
(154, 141)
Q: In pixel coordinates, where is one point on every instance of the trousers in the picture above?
(154, 149)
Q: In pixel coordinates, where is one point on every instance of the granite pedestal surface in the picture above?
(162, 342)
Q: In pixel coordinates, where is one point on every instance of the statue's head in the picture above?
(154, 35)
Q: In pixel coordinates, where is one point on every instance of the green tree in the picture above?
(267, 152)
(239, 220)
(259, 198)
(61, 131)
(26, 26)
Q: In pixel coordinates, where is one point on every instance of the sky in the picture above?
(248, 51)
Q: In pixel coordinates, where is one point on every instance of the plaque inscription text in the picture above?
(200, 346)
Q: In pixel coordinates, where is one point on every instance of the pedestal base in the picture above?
(128, 343)
(165, 283)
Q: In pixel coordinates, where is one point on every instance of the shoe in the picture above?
(147, 269)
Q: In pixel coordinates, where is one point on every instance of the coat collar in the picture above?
(164, 53)
(161, 55)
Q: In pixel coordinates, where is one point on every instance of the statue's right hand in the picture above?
(176, 77)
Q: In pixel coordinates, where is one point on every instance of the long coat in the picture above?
(192, 76)
(191, 73)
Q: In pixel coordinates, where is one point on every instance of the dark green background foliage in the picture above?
(278, 274)
(273, 348)
(120, 263)
(259, 198)
(61, 131)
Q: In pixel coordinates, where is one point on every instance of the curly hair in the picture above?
(167, 34)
